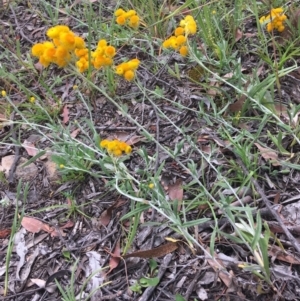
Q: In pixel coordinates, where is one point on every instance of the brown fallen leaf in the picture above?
(281, 110)
(222, 273)
(31, 224)
(176, 191)
(68, 224)
(4, 233)
(238, 34)
(282, 255)
(30, 148)
(58, 231)
(268, 154)
(75, 133)
(105, 216)
(35, 226)
(115, 257)
(163, 250)
(65, 114)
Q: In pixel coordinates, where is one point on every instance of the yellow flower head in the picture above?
(179, 31)
(79, 43)
(121, 20)
(119, 12)
(129, 75)
(32, 99)
(189, 25)
(274, 20)
(102, 43)
(133, 64)
(3, 93)
(167, 43)
(82, 64)
(44, 62)
(61, 52)
(119, 70)
(82, 52)
(110, 51)
(128, 149)
(37, 49)
(134, 21)
(129, 14)
(116, 147)
(55, 31)
(180, 40)
(127, 69)
(122, 17)
(67, 39)
(49, 54)
(184, 50)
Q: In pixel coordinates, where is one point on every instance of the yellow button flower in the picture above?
(179, 31)
(184, 50)
(55, 31)
(121, 20)
(110, 51)
(116, 147)
(119, 12)
(37, 49)
(130, 17)
(129, 75)
(274, 20)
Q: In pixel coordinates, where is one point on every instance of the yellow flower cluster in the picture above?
(127, 69)
(130, 17)
(274, 20)
(103, 55)
(65, 45)
(186, 27)
(116, 147)
(59, 50)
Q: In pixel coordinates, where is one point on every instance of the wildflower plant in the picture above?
(59, 50)
(129, 18)
(103, 55)
(116, 147)
(66, 46)
(274, 20)
(178, 41)
(127, 69)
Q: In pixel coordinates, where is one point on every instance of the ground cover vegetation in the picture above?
(149, 150)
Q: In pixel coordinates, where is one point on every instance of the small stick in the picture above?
(19, 27)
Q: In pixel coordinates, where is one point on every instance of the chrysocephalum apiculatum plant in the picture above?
(186, 27)
(66, 47)
(274, 20)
